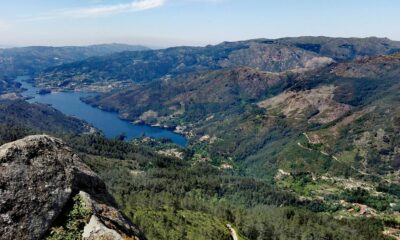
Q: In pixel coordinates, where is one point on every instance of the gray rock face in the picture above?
(38, 176)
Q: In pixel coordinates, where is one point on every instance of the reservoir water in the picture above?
(108, 122)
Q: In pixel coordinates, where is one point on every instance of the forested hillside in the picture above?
(327, 133)
(38, 117)
(197, 201)
(263, 54)
(293, 138)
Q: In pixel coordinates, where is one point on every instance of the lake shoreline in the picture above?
(109, 122)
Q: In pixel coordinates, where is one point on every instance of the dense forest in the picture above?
(294, 138)
(173, 198)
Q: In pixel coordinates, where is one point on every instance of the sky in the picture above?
(163, 23)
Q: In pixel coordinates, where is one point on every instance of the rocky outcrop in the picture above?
(317, 105)
(274, 58)
(367, 68)
(39, 175)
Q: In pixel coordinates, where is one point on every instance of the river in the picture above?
(108, 122)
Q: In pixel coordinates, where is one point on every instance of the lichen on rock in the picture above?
(39, 175)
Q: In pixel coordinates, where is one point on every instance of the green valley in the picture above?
(293, 138)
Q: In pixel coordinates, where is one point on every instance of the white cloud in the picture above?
(105, 10)
(139, 5)
(134, 6)
(207, 1)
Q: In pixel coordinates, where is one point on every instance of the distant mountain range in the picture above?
(267, 107)
(6, 46)
(306, 105)
(29, 60)
(288, 86)
(309, 122)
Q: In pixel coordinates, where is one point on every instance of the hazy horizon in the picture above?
(166, 23)
(162, 47)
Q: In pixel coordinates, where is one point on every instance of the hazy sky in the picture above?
(190, 22)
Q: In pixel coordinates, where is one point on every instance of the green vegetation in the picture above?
(38, 117)
(258, 54)
(179, 224)
(220, 104)
(186, 197)
(11, 132)
(69, 226)
(380, 203)
(307, 164)
(7, 85)
(288, 223)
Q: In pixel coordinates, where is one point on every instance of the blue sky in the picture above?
(190, 22)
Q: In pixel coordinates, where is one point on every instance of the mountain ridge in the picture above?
(271, 55)
(29, 60)
(292, 137)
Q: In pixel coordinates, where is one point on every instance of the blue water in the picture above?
(109, 123)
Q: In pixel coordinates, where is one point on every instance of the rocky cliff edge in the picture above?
(40, 182)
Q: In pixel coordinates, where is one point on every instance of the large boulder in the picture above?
(39, 177)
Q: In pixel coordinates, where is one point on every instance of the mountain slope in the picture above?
(270, 122)
(39, 117)
(29, 60)
(154, 65)
(193, 201)
(193, 96)
(267, 55)
(343, 49)
(245, 110)
(8, 86)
